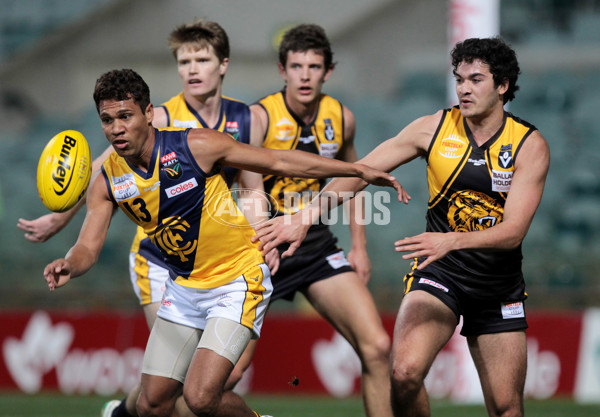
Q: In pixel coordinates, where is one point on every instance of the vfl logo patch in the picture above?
(171, 166)
(437, 285)
(329, 132)
(452, 147)
(505, 156)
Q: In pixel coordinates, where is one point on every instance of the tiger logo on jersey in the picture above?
(471, 211)
(171, 166)
(293, 194)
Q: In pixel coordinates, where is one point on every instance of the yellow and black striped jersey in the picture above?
(324, 136)
(468, 186)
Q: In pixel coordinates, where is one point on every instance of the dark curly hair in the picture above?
(305, 37)
(499, 56)
(123, 84)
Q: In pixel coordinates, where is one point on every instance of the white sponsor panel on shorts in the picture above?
(437, 285)
(337, 260)
(512, 310)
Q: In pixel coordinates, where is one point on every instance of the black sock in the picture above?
(121, 411)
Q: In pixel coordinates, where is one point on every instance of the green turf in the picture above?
(53, 405)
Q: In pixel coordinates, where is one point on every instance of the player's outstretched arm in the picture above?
(84, 254)
(210, 147)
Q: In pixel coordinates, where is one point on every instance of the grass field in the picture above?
(50, 405)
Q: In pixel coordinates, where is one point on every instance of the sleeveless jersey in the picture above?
(324, 136)
(234, 120)
(188, 214)
(468, 186)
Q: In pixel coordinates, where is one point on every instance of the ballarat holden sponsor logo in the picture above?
(452, 147)
(228, 207)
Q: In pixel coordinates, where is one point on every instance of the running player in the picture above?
(219, 287)
(486, 171)
(201, 52)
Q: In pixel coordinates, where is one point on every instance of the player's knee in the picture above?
(377, 350)
(146, 407)
(512, 408)
(405, 378)
(202, 404)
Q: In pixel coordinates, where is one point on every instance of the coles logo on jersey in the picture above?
(452, 147)
(233, 128)
(181, 188)
(329, 132)
(505, 156)
(171, 166)
(124, 187)
(284, 130)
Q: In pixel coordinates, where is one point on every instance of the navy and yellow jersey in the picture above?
(323, 136)
(234, 120)
(468, 186)
(188, 214)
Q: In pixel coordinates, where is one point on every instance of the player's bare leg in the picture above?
(501, 361)
(423, 326)
(203, 388)
(347, 304)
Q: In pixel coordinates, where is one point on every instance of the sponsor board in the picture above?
(101, 353)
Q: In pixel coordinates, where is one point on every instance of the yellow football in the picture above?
(64, 170)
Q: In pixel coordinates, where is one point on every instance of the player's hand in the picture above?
(360, 262)
(282, 229)
(272, 260)
(432, 246)
(42, 228)
(57, 273)
(377, 177)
